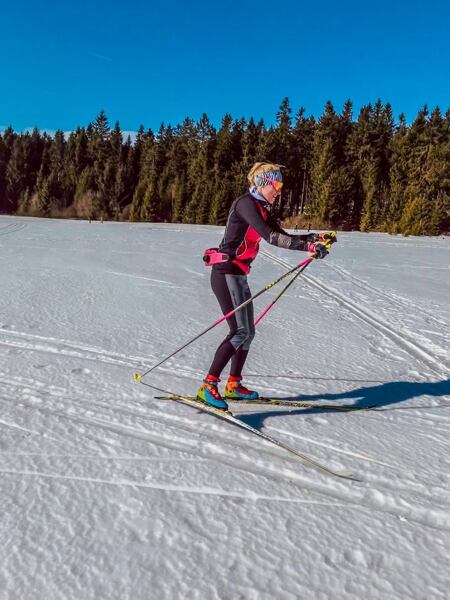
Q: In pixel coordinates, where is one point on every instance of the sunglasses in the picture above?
(277, 185)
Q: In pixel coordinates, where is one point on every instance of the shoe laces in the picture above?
(241, 389)
(213, 389)
(237, 386)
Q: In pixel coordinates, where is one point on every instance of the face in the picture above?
(270, 192)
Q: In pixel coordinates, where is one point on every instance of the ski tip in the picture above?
(137, 377)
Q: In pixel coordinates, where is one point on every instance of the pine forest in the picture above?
(366, 172)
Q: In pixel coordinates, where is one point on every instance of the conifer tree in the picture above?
(427, 188)
(3, 164)
(179, 198)
(149, 208)
(223, 156)
(196, 209)
(84, 194)
(371, 139)
(301, 161)
(81, 158)
(100, 126)
(282, 135)
(25, 202)
(325, 165)
(37, 144)
(398, 176)
(221, 200)
(138, 200)
(57, 187)
(116, 142)
(132, 168)
(16, 173)
(43, 205)
(250, 143)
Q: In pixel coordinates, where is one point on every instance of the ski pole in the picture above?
(304, 263)
(327, 242)
(266, 310)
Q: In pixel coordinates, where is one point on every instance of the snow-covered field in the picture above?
(108, 493)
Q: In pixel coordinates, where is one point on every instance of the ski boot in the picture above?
(209, 393)
(235, 391)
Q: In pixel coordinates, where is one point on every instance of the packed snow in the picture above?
(109, 493)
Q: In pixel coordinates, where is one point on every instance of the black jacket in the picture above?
(244, 215)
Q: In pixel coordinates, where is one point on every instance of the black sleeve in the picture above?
(269, 230)
(274, 225)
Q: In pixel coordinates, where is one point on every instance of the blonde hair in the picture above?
(262, 171)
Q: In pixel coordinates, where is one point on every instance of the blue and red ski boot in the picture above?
(209, 393)
(234, 390)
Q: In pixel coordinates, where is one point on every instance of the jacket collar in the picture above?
(257, 196)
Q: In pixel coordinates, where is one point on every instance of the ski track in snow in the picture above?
(22, 429)
(91, 353)
(197, 443)
(158, 282)
(50, 345)
(88, 353)
(178, 489)
(405, 304)
(85, 430)
(11, 228)
(404, 339)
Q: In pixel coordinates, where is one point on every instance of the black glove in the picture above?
(313, 237)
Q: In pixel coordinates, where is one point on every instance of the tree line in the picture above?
(370, 173)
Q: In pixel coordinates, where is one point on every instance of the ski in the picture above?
(289, 403)
(228, 416)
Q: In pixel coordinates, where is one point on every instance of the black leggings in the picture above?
(231, 291)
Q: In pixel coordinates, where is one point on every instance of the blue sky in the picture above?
(145, 62)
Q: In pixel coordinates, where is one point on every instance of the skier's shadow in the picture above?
(374, 396)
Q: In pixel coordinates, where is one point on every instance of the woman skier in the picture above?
(249, 220)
